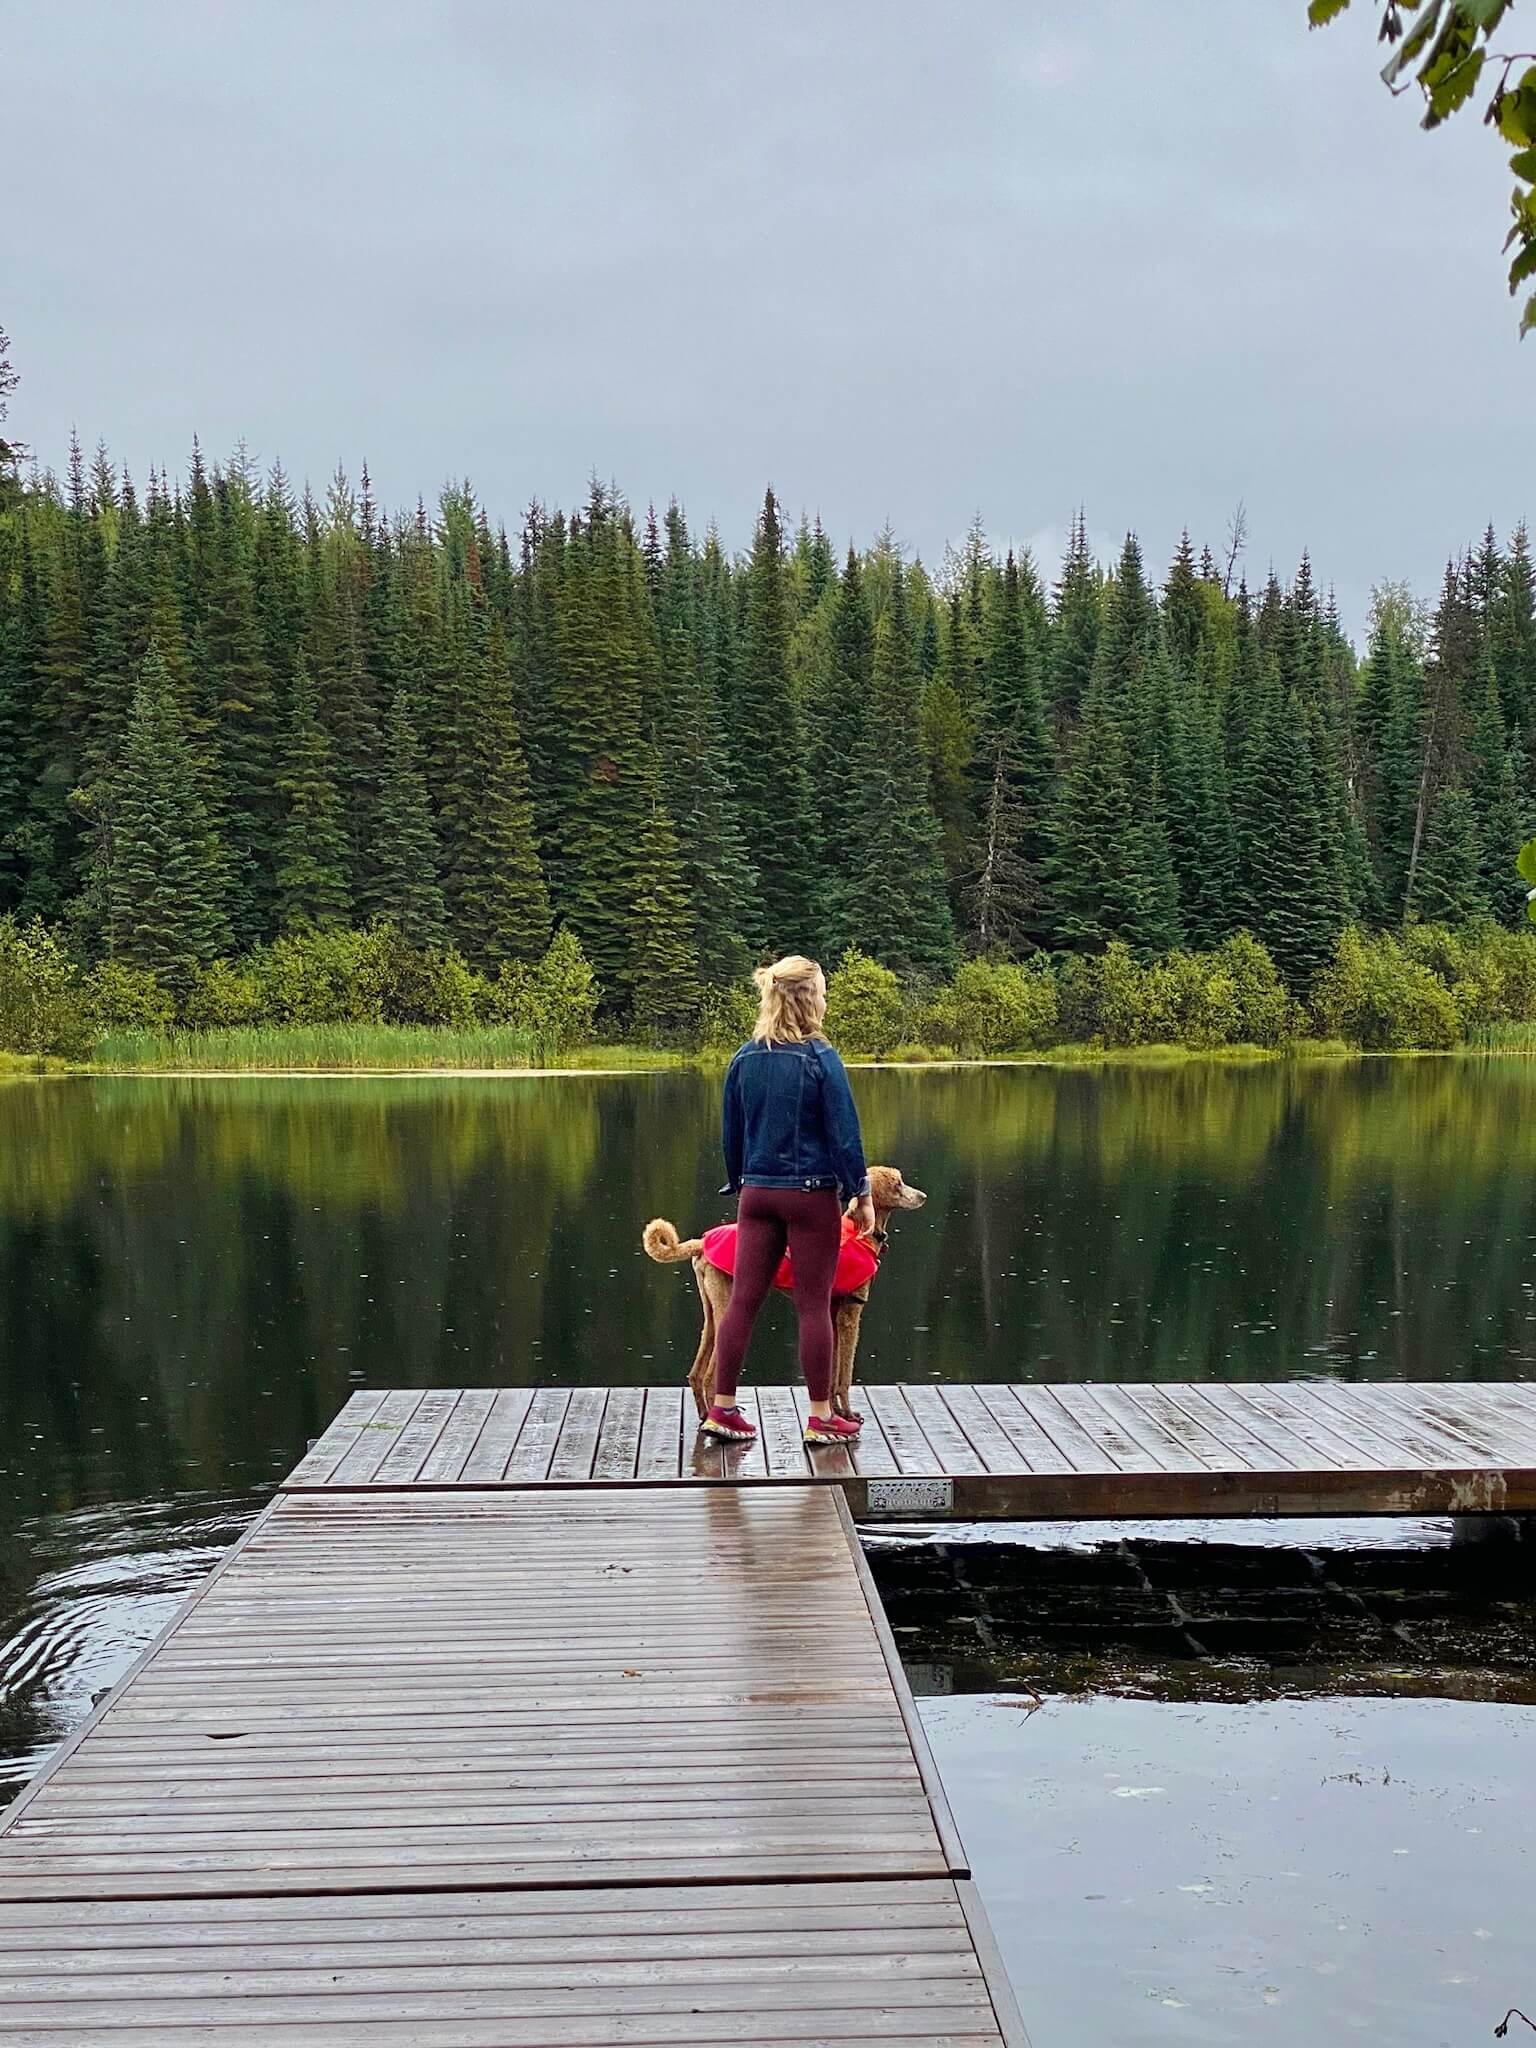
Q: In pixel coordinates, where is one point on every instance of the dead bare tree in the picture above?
(1237, 542)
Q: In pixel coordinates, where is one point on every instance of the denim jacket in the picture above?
(789, 1122)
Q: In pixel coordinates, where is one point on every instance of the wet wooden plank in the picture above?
(953, 1447)
(1036, 1451)
(783, 1431)
(661, 1432)
(1186, 1427)
(536, 1440)
(377, 1437)
(460, 1433)
(487, 1461)
(418, 1439)
(618, 1445)
(330, 1448)
(576, 1447)
(915, 1456)
(1133, 1424)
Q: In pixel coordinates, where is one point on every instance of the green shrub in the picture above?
(865, 1008)
(726, 1017)
(221, 997)
(1373, 994)
(316, 977)
(554, 1002)
(421, 984)
(44, 1005)
(123, 998)
(1264, 1010)
(992, 1007)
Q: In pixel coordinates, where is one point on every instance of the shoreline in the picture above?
(631, 1062)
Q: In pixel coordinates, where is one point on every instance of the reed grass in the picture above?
(352, 1048)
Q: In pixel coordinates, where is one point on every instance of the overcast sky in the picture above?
(905, 261)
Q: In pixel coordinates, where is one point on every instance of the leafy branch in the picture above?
(1445, 47)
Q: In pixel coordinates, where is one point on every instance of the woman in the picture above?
(793, 1150)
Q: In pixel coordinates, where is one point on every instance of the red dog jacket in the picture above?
(856, 1261)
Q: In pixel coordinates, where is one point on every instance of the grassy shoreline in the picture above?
(336, 1052)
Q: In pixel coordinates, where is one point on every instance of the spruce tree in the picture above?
(1450, 887)
(836, 722)
(1197, 805)
(1494, 789)
(950, 742)
(1288, 892)
(311, 872)
(162, 876)
(767, 747)
(1076, 625)
(1091, 869)
(664, 974)
(719, 880)
(404, 888)
(1008, 895)
(241, 705)
(497, 901)
(895, 899)
(23, 649)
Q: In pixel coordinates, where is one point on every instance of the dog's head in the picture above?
(888, 1191)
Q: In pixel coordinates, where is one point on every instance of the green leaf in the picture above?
(1485, 14)
(1453, 88)
(1525, 861)
(1524, 266)
(1321, 11)
(1414, 43)
(1516, 115)
(1523, 164)
(1528, 319)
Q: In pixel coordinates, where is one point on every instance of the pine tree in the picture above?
(1184, 611)
(23, 650)
(767, 748)
(497, 900)
(311, 872)
(836, 722)
(161, 873)
(1197, 804)
(1512, 635)
(404, 887)
(1288, 888)
(241, 705)
(1008, 895)
(664, 975)
(1494, 789)
(718, 878)
(1449, 887)
(895, 897)
(950, 742)
(1090, 871)
(1078, 617)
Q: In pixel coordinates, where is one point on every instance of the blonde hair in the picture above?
(791, 1000)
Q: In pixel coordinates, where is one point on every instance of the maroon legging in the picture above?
(810, 1225)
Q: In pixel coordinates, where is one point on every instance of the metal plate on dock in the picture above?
(911, 1496)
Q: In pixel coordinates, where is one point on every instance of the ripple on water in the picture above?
(81, 1594)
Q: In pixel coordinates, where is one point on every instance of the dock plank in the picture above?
(526, 1629)
(1310, 1446)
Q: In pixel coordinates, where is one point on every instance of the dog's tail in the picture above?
(663, 1244)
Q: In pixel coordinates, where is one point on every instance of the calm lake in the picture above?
(195, 1273)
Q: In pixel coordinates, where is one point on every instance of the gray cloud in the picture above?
(905, 260)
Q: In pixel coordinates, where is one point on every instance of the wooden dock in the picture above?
(525, 1719)
(433, 1769)
(978, 1452)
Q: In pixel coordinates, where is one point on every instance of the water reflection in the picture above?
(193, 1274)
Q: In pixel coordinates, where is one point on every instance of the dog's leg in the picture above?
(850, 1313)
(702, 1371)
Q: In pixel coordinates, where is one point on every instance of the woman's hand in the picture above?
(862, 1210)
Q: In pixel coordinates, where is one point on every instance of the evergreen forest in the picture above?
(231, 710)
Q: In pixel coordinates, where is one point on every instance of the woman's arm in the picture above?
(842, 1120)
(733, 1126)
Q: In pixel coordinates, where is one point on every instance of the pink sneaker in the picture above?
(831, 1429)
(728, 1423)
